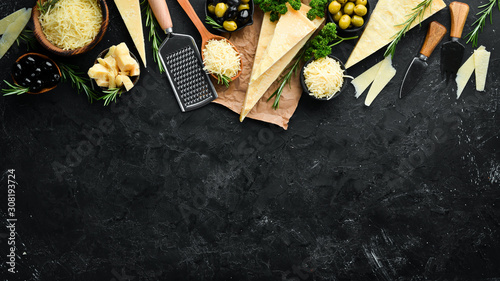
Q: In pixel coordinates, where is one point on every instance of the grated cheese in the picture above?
(324, 77)
(221, 58)
(72, 24)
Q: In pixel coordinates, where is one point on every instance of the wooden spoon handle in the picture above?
(434, 35)
(459, 12)
(162, 14)
(205, 34)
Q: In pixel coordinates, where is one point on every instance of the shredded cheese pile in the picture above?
(324, 77)
(221, 58)
(72, 24)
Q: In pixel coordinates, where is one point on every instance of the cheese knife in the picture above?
(452, 52)
(418, 65)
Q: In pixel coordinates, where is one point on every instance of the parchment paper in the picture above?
(245, 41)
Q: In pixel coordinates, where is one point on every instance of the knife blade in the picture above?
(419, 64)
(452, 52)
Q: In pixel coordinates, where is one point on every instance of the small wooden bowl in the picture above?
(42, 39)
(44, 57)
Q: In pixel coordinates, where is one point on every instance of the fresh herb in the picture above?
(223, 79)
(43, 8)
(70, 73)
(277, 7)
(28, 37)
(212, 22)
(110, 95)
(154, 37)
(479, 23)
(318, 8)
(318, 47)
(418, 13)
(14, 89)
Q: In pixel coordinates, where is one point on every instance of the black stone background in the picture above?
(407, 189)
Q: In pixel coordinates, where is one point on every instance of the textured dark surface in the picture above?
(407, 189)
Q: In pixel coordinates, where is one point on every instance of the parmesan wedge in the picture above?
(13, 31)
(4, 23)
(464, 73)
(265, 37)
(364, 80)
(481, 61)
(384, 76)
(131, 15)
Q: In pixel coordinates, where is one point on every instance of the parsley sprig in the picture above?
(154, 37)
(14, 89)
(277, 7)
(473, 36)
(318, 8)
(71, 74)
(417, 13)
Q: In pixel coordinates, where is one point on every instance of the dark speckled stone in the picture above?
(407, 189)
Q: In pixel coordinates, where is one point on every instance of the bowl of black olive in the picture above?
(229, 15)
(36, 72)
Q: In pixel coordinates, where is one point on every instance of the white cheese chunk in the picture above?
(481, 62)
(384, 76)
(364, 80)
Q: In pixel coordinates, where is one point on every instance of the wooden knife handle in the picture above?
(205, 34)
(459, 12)
(434, 35)
(162, 14)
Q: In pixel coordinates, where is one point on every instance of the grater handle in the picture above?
(205, 34)
(162, 14)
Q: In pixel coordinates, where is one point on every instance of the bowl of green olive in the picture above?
(229, 15)
(350, 16)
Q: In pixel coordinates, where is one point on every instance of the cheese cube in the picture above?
(98, 71)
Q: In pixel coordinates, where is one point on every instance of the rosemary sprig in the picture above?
(473, 36)
(70, 73)
(14, 89)
(111, 95)
(417, 13)
(212, 22)
(43, 8)
(154, 37)
(27, 36)
(290, 71)
(223, 79)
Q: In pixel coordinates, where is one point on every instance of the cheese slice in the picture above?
(364, 80)
(481, 62)
(291, 28)
(384, 22)
(265, 37)
(464, 73)
(13, 31)
(384, 76)
(131, 15)
(258, 88)
(4, 23)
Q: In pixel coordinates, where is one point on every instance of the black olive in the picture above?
(219, 20)
(243, 16)
(37, 72)
(54, 79)
(17, 70)
(25, 82)
(37, 86)
(231, 13)
(29, 60)
(233, 3)
(47, 66)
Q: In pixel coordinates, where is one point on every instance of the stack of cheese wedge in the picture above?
(10, 28)
(279, 43)
(477, 63)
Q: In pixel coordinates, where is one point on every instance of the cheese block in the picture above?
(265, 37)
(258, 88)
(463, 74)
(384, 76)
(4, 23)
(364, 80)
(384, 23)
(131, 15)
(13, 31)
(481, 62)
(291, 28)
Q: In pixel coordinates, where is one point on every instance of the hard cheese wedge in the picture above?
(131, 15)
(463, 74)
(364, 80)
(265, 37)
(384, 76)
(292, 27)
(4, 23)
(258, 88)
(384, 23)
(13, 31)
(481, 62)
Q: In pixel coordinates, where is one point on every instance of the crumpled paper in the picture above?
(233, 97)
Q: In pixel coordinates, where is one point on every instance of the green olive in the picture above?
(349, 8)
(342, 2)
(360, 10)
(220, 9)
(245, 1)
(357, 21)
(230, 25)
(344, 21)
(334, 7)
(352, 0)
(337, 16)
(243, 7)
(211, 8)
(361, 2)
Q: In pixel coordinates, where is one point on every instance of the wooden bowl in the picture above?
(42, 39)
(46, 58)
